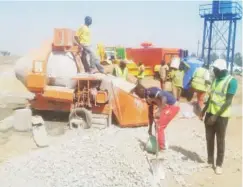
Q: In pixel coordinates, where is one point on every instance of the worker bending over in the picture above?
(200, 83)
(163, 71)
(141, 72)
(166, 109)
(217, 111)
(83, 39)
(121, 70)
(177, 76)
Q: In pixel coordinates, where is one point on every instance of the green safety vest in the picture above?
(177, 78)
(218, 96)
(140, 73)
(119, 73)
(198, 81)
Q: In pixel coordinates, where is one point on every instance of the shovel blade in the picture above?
(158, 170)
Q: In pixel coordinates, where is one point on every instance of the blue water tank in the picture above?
(215, 7)
(225, 7)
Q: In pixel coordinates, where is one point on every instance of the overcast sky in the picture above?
(174, 24)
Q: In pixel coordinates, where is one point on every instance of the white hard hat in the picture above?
(220, 64)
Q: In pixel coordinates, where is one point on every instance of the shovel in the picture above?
(157, 164)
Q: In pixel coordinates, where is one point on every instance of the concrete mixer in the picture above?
(56, 75)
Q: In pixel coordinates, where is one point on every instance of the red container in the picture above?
(151, 56)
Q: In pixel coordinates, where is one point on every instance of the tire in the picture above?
(82, 114)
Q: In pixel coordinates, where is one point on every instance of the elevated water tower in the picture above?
(219, 34)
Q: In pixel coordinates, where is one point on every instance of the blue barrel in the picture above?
(225, 7)
(194, 63)
(215, 7)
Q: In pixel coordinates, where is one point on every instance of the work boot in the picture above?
(218, 170)
(166, 145)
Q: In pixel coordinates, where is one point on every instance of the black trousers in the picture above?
(218, 129)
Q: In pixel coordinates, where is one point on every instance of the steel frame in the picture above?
(219, 29)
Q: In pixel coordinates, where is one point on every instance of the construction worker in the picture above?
(166, 109)
(164, 68)
(217, 111)
(141, 71)
(177, 76)
(83, 39)
(199, 84)
(121, 70)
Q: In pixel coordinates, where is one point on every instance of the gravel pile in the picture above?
(111, 157)
(90, 159)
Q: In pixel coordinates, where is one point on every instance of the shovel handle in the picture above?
(156, 135)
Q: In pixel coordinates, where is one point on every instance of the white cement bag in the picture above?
(22, 119)
(117, 82)
(175, 63)
(61, 68)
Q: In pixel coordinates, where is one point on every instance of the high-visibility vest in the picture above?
(218, 96)
(177, 78)
(141, 72)
(198, 81)
(121, 73)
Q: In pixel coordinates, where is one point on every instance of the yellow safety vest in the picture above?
(177, 78)
(198, 81)
(141, 72)
(218, 96)
(119, 73)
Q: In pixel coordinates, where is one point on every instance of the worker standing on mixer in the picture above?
(121, 70)
(166, 109)
(83, 39)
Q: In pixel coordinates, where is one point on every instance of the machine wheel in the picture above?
(80, 117)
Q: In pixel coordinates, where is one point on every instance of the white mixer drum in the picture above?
(61, 67)
(22, 67)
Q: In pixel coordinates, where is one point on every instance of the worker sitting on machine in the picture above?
(166, 109)
(121, 70)
(82, 38)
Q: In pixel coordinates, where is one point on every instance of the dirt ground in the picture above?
(14, 143)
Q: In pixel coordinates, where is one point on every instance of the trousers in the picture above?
(94, 61)
(176, 91)
(218, 129)
(167, 114)
(200, 96)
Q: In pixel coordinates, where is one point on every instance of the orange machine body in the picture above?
(50, 97)
(128, 110)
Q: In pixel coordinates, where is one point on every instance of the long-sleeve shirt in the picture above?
(154, 92)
